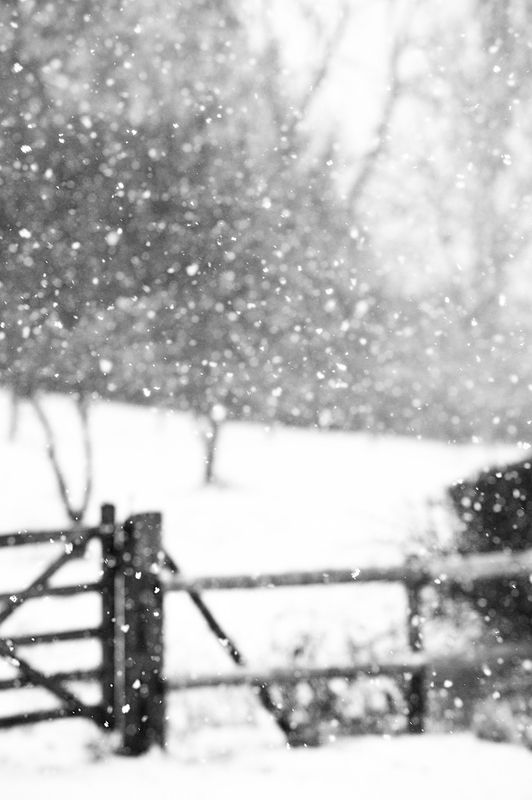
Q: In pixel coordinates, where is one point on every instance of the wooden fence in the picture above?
(417, 666)
(135, 576)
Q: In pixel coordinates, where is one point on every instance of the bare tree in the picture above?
(74, 512)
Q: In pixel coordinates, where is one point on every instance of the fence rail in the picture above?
(23, 537)
(68, 590)
(399, 665)
(25, 640)
(31, 717)
(70, 676)
(451, 570)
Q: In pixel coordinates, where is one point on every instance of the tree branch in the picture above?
(371, 157)
(323, 68)
(272, 56)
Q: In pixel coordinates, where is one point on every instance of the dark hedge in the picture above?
(495, 509)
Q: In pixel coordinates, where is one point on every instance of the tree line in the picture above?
(174, 231)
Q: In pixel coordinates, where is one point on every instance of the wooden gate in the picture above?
(73, 545)
(130, 631)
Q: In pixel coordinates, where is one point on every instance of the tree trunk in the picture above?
(14, 416)
(211, 441)
(75, 514)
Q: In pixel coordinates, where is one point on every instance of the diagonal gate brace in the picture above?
(38, 678)
(37, 586)
(267, 701)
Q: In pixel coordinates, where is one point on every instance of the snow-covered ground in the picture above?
(288, 496)
(285, 499)
(370, 768)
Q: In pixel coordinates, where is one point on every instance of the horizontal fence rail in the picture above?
(282, 579)
(293, 675)
(31, 717)
(47, 537)
(397, 665)
(70, 676)
(451, 570)
(55, 636)
(54, 591)
(465, 569)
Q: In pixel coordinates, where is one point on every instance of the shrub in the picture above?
(319, 708)
(495, 721)
(495, 509)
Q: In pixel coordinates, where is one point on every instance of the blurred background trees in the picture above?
(188, 219)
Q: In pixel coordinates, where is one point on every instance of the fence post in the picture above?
(109, 573)
(417, 690)
(142, 713)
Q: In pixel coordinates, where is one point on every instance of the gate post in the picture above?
(109, 575)
(417, 690)
(140, 632)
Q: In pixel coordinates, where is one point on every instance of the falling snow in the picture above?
(293, 238)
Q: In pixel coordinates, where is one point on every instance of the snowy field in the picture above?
(370, 768)
(285, 499)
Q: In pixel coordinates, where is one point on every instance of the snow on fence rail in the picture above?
(451, 570)
(136, 574)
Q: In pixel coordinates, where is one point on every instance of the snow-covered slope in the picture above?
(288, 497)
(285, 499)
